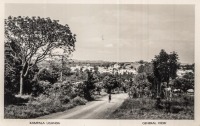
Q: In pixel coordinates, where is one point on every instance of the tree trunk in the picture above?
(158, 83)
(21, 83)
(23, 74)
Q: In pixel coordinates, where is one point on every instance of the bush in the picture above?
(79, 101)
(47, 75)
(42, 100)
(78, 88)
(67, 88)
(65, 99)
(41, 87)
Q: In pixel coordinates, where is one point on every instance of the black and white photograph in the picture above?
(99, 61)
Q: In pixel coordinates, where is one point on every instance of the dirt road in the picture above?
(99, 109)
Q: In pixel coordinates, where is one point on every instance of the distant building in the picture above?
(111, 69)
(74, 68)
(116, 66)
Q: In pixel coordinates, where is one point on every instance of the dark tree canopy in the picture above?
(165, 66)
(89, 84)
(110, 83)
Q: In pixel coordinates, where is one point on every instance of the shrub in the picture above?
(41, 87)
(79, 101)
(65, 99)
(67, 88)
(78, 88)
(47, 75)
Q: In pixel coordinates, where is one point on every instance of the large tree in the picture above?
(89, 84)
(165, 67)
(110, 82)
(31, 40)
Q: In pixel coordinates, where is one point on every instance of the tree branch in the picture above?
(27, 69)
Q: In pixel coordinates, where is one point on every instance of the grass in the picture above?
(40, 106)
(144, 108)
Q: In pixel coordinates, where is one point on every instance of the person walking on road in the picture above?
(109, 97)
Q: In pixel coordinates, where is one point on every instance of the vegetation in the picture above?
(30, 40)
(146, 86)
(110, 83)
(42, 105)
(89, 85)
(144, 108)
(165, 67)
(184, 83)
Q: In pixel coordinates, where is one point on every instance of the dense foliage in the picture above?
(110, 83)
(165, 67)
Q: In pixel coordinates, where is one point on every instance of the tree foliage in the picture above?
(110, 82)
(165, 67)
(89, 85)
(141, 69)
(31, 40)
(185, 83)
(47, 75)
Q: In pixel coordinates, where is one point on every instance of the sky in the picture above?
(121, 32)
